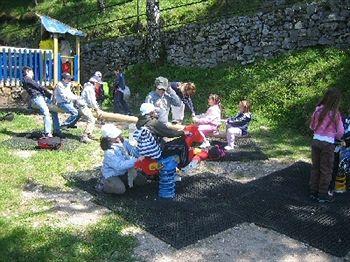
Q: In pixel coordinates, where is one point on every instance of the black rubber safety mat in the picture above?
(281, 202)
(199, 210)
(207, 204)
(28, 141)
(246, 149)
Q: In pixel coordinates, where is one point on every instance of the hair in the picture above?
(217, 101)
(246, 105)
(215, 98)
(118, 68)
(330, 103)
(189, 88)
(106, 143)
(25, 69)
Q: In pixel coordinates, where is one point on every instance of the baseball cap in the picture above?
(98, 74)
(161, 83)
(146, 108)
(95, 79)
(110, 130)
(67, 76)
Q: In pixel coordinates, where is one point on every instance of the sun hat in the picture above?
(161, 83)
(110, 130)
(146, 108)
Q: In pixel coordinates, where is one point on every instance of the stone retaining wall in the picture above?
(237, 39)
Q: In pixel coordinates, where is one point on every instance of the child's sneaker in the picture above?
(325, 198)
(205, 144)
(229, 148)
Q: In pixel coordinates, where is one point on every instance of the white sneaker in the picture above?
(205, 144)
(177, 178)
(229, 148)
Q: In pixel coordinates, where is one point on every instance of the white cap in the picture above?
(98, 74)
(147, 108)
(110, 130)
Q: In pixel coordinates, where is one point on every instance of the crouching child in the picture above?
(118, 170)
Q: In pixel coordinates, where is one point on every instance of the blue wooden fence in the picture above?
(12, 60)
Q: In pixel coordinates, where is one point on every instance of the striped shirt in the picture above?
(147, 145)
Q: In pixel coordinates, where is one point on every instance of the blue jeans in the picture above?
(41, 103)
(70, 109)
(120, 105)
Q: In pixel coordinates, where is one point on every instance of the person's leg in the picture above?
(206, 130)
(55, 119)
(118, 108)
(70, 109)
(231, 134)
(177, 147)
(39, 103)
(315, 169)
(113, 185)
(178, 112)
(87, 115)
(326, 168)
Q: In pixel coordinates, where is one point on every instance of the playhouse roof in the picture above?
(55, 26)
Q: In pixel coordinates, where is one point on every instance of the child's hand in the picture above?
(187, 133)
(140, 158)
(195, 119)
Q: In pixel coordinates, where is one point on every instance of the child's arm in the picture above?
(212, 116)
(239, 120)
(117, 162)
(340, 127)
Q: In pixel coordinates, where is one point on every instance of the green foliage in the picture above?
(284, 91)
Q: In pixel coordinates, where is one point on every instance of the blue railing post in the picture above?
(76, 68)
(40, 56)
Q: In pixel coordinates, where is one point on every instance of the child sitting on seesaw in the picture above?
(238, 125)
(209, 122)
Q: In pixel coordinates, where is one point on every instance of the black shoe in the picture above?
(58, 134)
(313, 196)
(325, 198)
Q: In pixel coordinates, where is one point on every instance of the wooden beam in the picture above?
(55, 59)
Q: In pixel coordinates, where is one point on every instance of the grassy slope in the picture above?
(283, 92)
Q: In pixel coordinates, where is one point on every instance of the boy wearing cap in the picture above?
(162, 98)
(64, 99)
(40, 98)
(150, 133)
(96, 80)
(118, 163)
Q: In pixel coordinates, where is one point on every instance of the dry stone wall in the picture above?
(237, 39)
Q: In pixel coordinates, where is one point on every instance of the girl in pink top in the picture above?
(326, 123)
(210, 120)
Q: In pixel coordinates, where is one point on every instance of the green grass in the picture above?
(283, 91)
(27, 230)
(84, 14)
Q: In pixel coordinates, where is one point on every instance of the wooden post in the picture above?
(55, 59)
(77, 46)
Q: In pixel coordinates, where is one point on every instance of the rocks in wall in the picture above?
(236, 39)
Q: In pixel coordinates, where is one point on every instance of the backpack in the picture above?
(52, 143)
(216, 153)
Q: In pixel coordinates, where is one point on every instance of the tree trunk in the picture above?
(154, 30)
(101, 5)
